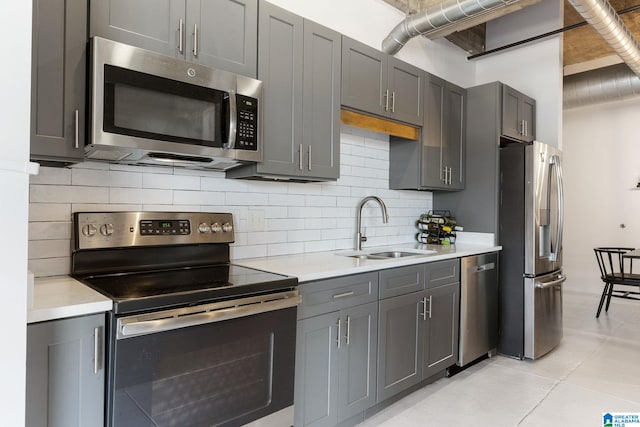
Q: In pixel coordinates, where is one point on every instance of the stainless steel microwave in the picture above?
(148, 108)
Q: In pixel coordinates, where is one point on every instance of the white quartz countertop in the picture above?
(323, 265)
(62, 296)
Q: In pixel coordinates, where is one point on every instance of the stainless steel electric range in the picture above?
(192, 340)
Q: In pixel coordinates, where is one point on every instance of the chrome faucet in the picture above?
(360, 237)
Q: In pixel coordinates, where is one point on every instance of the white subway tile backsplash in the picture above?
(49, 212)
(198, 198)
(299, 217)
(139, 195)
(105, 178)
(52, 176)
(67, 194)
(171, 182)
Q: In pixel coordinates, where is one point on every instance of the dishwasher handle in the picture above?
(483, 267)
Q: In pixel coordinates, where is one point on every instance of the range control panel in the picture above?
(95, 230)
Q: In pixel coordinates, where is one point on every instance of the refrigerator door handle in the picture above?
(555, 161)
(545, 285)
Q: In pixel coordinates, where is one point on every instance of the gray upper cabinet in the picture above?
(65, 373)
(217, 33)
(488, 107)
(376, 83)
(299, 63)
(437, 161)
(336, 350)
(58, 80)
(518, 115)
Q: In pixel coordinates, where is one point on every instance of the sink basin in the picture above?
(389, 254)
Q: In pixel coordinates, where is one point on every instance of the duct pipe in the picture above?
(604, 19)
(613, 83)
(436, 17)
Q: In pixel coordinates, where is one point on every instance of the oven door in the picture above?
(220, 364)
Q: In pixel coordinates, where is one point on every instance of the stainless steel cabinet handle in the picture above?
(180, 36)
(348, 336)
(339, 332)
(195, 40)
(96, 350)
(309, 159)
(450, 175)
(344, 294)
(300, 157)
(76, 136)
(386, 100)
(424, 312)
(430, 301)
(393, 102)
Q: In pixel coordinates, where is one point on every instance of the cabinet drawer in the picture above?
(402, 280)
(325, 296)
(442, 273)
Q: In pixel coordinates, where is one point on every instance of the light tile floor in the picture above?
(595, 369)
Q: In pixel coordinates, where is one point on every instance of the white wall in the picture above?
(534, 68)
(601, 168)
(15, 84)
(299, 217)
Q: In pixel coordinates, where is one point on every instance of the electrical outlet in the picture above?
(256, 220)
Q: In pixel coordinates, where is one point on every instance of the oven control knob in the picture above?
(89, 230)
(203, 228)
(106, 229)
(227, 227)
(216, 228)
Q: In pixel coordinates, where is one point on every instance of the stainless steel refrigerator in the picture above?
(531, 223)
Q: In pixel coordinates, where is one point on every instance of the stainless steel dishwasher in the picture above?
(478, 307)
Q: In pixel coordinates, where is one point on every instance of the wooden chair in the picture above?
(616, 271)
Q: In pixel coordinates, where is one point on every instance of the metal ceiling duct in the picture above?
(604, 19)
(439, 16)
(613, 83)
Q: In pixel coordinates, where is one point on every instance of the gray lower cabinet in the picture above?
(65, 373)
(377, 83)
(217, 33)
(336, 350)
(58, 80)
(437, 161)
(299, 63)
(418, 331)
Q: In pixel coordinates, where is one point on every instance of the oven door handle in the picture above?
(168, 320)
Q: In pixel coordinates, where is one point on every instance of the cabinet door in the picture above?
(528, 109)
(149, 24)
(455, 136)
(357, 379)
(399, 344)
(227, 34)
(511, 121)
(432, 170)
(321, 101)
(58, 79)
(65, 373)
(364, 77)
(316, 393)
(405, 92)
(280, 67)
(441, 329)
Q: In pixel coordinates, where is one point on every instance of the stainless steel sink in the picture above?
(389, 254)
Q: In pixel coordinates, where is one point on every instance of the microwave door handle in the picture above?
(233, 120)
(555, 162)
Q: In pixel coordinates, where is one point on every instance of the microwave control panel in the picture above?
(247, 133)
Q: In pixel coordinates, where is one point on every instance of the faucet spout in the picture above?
(360, 237)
